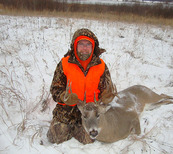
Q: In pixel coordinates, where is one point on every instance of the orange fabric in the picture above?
(86, 62)
(81, 83)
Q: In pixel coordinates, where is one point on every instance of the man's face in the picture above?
(84, 49)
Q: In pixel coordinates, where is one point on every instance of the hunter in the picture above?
(88, 75)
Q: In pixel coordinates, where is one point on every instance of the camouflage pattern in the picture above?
(66, 124)
(66, 121)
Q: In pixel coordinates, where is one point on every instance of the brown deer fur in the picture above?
(115, 120)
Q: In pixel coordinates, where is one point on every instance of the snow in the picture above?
(30, 49)
(117, 2)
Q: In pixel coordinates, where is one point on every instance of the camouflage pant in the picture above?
(66, 123)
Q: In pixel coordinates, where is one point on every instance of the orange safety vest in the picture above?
(82, 83)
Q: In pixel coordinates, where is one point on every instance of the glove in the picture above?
(69, 98)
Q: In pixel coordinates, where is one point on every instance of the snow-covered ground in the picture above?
(31, 47)
(117, 2)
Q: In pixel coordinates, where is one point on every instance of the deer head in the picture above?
(93, 112)
(90, 114)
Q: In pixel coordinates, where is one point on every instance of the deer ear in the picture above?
(108, 107)
(80, 104)
(109, 99)
(103, 107)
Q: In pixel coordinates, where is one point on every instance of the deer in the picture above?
(116, 114)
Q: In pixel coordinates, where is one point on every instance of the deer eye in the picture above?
(97, 115)
(84, 116)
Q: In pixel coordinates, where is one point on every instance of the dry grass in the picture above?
(12, 95)
(108, 16)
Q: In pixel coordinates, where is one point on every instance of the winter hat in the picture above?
(85, 32)
(86, 62)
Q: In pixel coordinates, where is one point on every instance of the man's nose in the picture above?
(85, 46)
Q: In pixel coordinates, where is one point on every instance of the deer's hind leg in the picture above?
(136, 129)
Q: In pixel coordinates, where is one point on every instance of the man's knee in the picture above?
(58, 132)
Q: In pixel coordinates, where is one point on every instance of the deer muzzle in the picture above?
(93, 133)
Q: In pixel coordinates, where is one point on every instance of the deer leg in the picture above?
(136, 126)
(164, 101)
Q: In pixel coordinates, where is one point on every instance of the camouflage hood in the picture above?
(85, 32)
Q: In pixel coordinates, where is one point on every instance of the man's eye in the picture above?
(81, 44)
(89, 44)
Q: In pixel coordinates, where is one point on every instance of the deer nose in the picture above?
(93, 133)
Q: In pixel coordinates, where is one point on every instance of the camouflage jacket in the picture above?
(60, 80)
